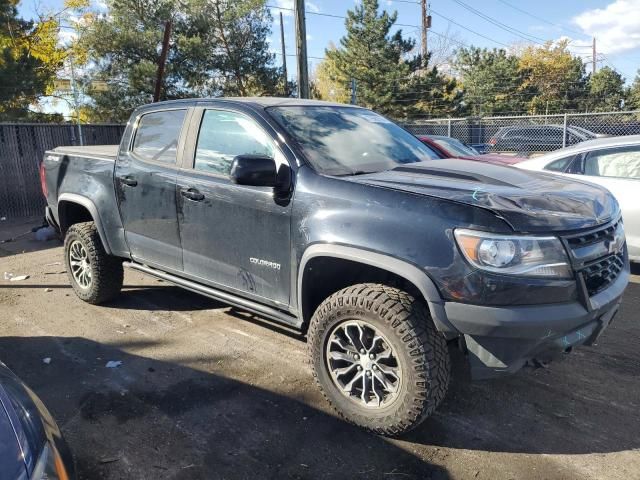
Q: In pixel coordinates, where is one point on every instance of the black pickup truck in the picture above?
(335, 221)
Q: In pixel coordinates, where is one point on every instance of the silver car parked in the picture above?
(612, 162)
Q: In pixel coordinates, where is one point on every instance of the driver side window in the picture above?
(223, 136)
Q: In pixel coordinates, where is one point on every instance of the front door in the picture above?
(145, 179)
(235, 237)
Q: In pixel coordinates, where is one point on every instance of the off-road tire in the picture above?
(420, 349)
(107, 273)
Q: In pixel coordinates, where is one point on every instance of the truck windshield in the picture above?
(348, 140)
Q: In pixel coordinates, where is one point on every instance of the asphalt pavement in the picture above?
(205, 391)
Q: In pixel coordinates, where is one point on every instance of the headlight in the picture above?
(513, 254)
(49, 465)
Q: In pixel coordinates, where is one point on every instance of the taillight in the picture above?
(43, 181)
(492, 141)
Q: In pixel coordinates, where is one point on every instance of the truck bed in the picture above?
(106, 152)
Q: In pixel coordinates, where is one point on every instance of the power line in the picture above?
(470, 30)
(514, 31)
(331, 15)
(540, 18)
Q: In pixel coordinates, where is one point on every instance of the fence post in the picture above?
(448, 127)
(564, 131)
(354, 94)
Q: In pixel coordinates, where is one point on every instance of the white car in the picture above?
(612, 162)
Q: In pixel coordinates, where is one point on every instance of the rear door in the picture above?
(618, 169)
(145, 180)
(235, 237)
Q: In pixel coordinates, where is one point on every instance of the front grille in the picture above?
(594, 264)
(592, 237)
(601, 274)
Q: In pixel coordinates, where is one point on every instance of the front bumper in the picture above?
(501, 340)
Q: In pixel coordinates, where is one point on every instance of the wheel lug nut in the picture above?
(368, 373)
(356, 356)
(372, 356)
(375, 367)
(362, 350)
(359, 368)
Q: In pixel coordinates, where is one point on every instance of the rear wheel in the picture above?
(95, 276)
(378, 357)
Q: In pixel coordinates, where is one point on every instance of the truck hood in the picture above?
(528, 201)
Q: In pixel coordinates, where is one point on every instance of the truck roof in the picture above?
(262, 102)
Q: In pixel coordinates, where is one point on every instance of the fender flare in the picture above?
(402, 268)
(91, 207)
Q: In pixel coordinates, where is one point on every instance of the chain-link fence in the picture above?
(22, 148)
(527, 135)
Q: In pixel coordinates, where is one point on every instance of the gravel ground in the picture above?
(206, 392)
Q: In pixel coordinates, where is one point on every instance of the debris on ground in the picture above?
(17, 278)
(113, 364)
(109, 459)
(8, 275)
(46, 360)
(17, 237)
(45, 233)
(53, 264)
(48, 290)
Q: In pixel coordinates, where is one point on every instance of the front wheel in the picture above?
(95, 276)
(378, 358)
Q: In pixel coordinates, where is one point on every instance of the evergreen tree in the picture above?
(235, 52)
(373, 57)
(491, 81)
(217, 47)
(633, 95)
(387, 78)
(606, 91)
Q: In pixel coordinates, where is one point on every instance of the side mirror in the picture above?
(254, 170)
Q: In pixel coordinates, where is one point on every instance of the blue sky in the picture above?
(615, 23)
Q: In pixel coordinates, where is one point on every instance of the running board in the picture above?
(224, 297)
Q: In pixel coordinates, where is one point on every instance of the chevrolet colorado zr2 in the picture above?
(333, 220)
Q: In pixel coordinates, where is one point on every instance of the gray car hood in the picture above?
(528, 201)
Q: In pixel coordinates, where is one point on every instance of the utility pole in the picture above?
(163, 60)
(284, 59)
(594, 55)
(426, 24)
(76, 101)
(301, 50)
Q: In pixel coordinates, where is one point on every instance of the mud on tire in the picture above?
(405, 324)
(104, 272)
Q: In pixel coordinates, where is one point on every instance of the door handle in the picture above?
(192, 194)
(129, 181)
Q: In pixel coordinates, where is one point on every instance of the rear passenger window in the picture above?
(225, 135)
(560, 165)
(614, 162)
(157, 136)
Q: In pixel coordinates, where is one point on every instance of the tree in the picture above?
(234, 47)
(29, 59)
(388, 79)
(606, 91)
(633, 95)
(428, 92)
(556, 77)
(372, 56)
(492, 81)
(328, 83)
(217, 48)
